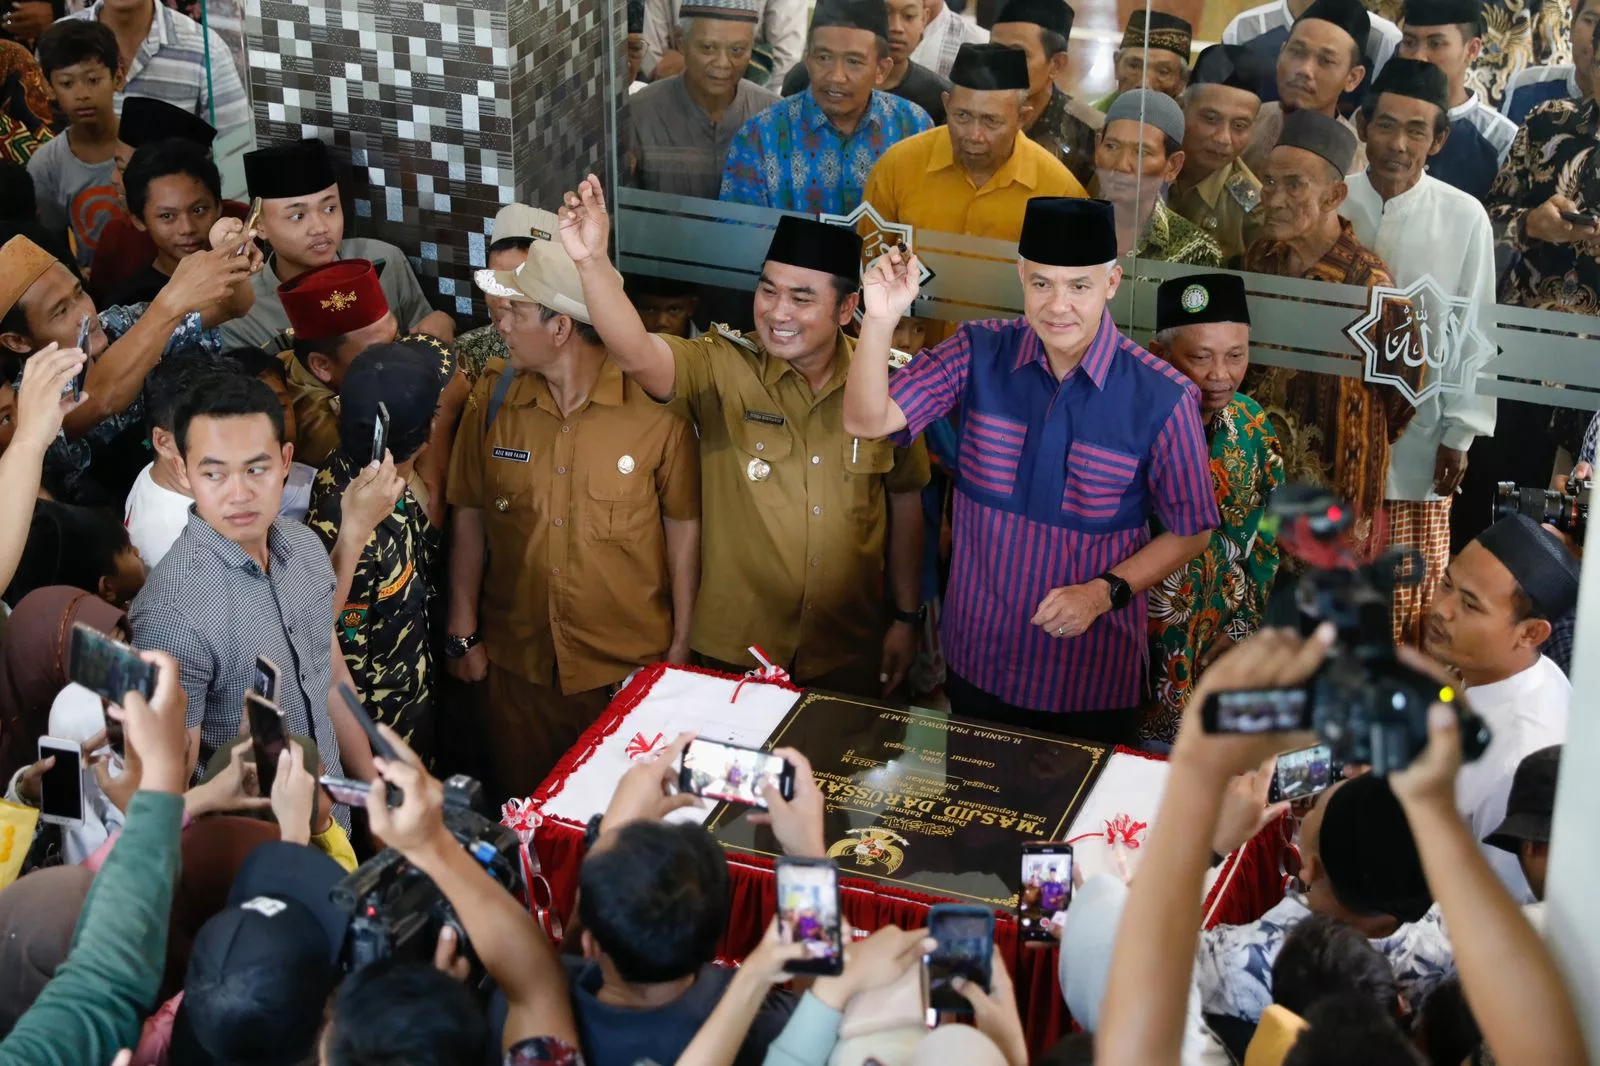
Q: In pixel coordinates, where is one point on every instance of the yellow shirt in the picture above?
(919, 182)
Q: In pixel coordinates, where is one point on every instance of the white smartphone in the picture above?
(61, 787)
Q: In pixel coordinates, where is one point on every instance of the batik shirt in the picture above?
(475, 348)
(67, 462)
(793, 158)
(1519, 34)
(1223, 590)
(1171, 238)
(1553, 153)
(383, 624)
(1234, 967)
(1067, 131)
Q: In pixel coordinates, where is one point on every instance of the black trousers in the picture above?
(1108, 727)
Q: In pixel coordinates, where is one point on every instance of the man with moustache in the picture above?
(1045, 621)
(811, 535)
(679, 128)
(1406, 216)
(1215, 190)
(1321, 61)
(1138, 154)
(975, 175)
(906, 78)
(1492, 612)
(1154, 55)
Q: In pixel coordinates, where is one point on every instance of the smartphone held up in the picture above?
(1046, 887)
(61, 786)
(736, 775)
(965, 948)
(109, 668)
(808, 914)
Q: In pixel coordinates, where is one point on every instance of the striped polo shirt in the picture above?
(1056, 483)
(171, 66)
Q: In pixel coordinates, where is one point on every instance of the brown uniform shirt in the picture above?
(796, 515)
(316, 412)
(1223, 204)
(576, 591)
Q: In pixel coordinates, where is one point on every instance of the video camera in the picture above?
(396, 911)
(1364, 703)
(1567, 511)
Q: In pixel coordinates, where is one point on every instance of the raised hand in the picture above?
(889, 286)
(40, 403)
(585, 224)
(204, 279)
(369, 499)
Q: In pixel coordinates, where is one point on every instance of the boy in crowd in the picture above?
(174, 195)
(74, 173)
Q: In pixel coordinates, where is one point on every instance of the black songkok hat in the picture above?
(853, 15)
(1232, 65)
(1413, 78)
(1348, 15)
(1067, 231)
(1157, 29)
(1324, 136)
(990, 67)
(1054, 15)
(281, 171)
(805, 242)
(1443, 13)
(1544, 568)
(146, 120)
(1369, 853)
(1198, 298)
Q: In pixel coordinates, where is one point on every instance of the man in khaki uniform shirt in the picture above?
(1216, 191)
(576, 533)
(799, 515)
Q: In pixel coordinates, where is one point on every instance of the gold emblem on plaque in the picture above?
(758, 470)
(876, 850)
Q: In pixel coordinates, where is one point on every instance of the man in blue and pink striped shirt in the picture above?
(1072, 438)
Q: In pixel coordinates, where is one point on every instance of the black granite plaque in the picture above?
(924, 800)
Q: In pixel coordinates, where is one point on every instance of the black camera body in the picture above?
(1368, 706)
(1567, 511)
(396, 911)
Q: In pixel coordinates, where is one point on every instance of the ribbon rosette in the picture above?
(639, 748)
(767, 671)
(1124, 830)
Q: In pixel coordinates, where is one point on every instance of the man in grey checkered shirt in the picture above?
(240, 582)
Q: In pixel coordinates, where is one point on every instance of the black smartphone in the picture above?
(965, 935)
(267, 678)
(267, 738)
(1579, 218)
(808, 914)
(109, 668)
(1046, 887)
(380, 432)
(61, 787)
(1267, 710)
(343, 790)
(635, 16)
(380, 746)
(737, 775)
(1302, 773)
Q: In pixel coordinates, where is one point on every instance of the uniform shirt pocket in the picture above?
(991, 449)
(1097, 480)
(619, 505)
(865, 464)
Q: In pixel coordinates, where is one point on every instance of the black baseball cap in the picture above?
(262, 970)
(1531, 802)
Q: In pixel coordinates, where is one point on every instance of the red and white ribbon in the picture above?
(641, 748)
(767, 671)
(522, 817)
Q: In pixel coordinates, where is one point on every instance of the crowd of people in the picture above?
(230, 432)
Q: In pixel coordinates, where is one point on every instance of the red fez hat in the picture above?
(331, 301)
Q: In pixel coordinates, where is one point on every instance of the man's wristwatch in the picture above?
(1121, 591)
(912, 618)
(455, 647)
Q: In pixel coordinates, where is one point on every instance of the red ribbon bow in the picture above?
(640, 748)
(1124, 830)
(767, 671)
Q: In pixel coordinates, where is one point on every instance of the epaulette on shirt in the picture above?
(736, 336)
(1240, 188)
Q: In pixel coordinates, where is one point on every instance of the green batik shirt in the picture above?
(383, 624)
(1222, 592)
(1171, 238)
(475, 348)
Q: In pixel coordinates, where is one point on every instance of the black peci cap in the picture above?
(282, 171)
(1198, 298)
(805, 242)
(1068, 231)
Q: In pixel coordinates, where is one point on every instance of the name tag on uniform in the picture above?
(514, 454)
(763, 416)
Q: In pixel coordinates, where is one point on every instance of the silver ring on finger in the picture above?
(1061, 631)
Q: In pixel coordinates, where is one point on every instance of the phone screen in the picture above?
(1302, 773)
(808, 914)
(267, 678)
(380, 432)
(267, 738)
(737, 775)
(1273, 710)
(343, 790)
(1046, 888)
(966, 946)
(61, 787)
(107, 668)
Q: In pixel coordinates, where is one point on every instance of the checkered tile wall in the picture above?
(441, 111)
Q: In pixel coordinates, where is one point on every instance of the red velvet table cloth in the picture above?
(1248, 884)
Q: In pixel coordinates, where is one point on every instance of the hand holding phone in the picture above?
(73, 390)
(1303, 773)
(733, 774)
(108, 668)
(1579, 218)
(380, 746)
(61, 786)
(380, 432)
(808, 914)
(268, 739)
(965, 937)
(250, 221)
(1046, 887)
